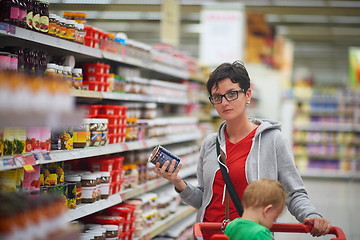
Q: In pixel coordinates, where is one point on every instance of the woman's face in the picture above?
(234, 109)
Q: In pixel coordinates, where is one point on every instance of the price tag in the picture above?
(144, 144)
(29, 159)
(125, 146)
(8, 162)
(26, 162)
(28, 168)
(46, 156)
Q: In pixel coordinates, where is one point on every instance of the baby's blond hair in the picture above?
(264, 192)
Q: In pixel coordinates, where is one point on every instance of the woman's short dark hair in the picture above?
(236, 72)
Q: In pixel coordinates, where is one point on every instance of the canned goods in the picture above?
(161, 155)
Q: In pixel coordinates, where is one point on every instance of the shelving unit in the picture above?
(160, 226)
(327, 135)
(87, 209)
(15, 36)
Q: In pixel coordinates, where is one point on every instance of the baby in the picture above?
(263, 201)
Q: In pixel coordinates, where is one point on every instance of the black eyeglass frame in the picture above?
(224, 96)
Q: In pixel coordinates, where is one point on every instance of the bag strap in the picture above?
(230, 187)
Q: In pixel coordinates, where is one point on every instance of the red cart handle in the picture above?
(277, 227)
(304, 228)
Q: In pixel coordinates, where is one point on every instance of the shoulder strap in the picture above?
(232, 191)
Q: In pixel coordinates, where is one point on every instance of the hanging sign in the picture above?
(170, 22)
(222, 33)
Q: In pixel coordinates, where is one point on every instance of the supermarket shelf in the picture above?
(124, 59)
(330, 174)
(127, 97)
(86, 94)
(162, 225)
(180, 73)
(47, 40)
(119, 147)
(53, 120)
(9, 162)
(86, 209)
(61, 44)
(155, 183)
(322, 126)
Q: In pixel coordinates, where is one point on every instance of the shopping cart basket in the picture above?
(200, 227)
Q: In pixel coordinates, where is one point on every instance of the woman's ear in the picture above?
(248, 95)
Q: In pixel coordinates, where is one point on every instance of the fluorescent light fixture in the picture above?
(300, 3)
(344, 3)
(345, 19)
(305, 18)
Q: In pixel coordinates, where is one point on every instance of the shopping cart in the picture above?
(201, 227)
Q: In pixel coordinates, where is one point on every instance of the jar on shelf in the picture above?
(112, 231)
(105, 184)
(95, 132)
(88, 185)
(78, 188)
(81, 134)
(44, 16)
(77, 78)
(103, 126)
(29, 14)
(10, 12)
(22, 14)
(70, 30)
(5, 61)
(53, 24)
(36, 15)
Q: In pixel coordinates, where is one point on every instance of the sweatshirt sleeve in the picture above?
(193, 195)
(298, 202)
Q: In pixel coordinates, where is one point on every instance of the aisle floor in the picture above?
(337, 200)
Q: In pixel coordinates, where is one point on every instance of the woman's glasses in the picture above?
(229, 96)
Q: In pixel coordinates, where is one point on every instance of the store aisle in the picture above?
(337, 200)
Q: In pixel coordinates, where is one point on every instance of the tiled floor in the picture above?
(338, 200)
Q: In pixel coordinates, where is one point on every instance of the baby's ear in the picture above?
(268, 208)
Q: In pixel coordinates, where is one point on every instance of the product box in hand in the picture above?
(161, 155)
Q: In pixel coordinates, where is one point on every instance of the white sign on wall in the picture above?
(222, 33)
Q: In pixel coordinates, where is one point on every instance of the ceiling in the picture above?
(321, 30)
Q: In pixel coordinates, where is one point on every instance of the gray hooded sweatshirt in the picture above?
(270, 157)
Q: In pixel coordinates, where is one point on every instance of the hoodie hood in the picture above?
(263, 124)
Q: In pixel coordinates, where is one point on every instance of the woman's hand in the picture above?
(320, 225)
(171, 175)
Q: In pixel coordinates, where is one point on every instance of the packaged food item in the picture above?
(95, 132)
(31, 180)
(112, 231)
(76, 180)
(161, 155)
(89, 190)
(71, 195)
(14, 140)
(105, 184)
(81, 135)
(33, 135)
(77, 78)
(44, 16)
(53, 24)
(103, 123)
(61, 139)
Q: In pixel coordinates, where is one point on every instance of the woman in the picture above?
(253, 149)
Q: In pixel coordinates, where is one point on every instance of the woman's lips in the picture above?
(227, 110)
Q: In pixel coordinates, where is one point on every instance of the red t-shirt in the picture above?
(236, 157)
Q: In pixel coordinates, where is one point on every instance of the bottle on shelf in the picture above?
(10, 12)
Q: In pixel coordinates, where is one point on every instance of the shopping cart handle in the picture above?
(304, 228)
(277, 227)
